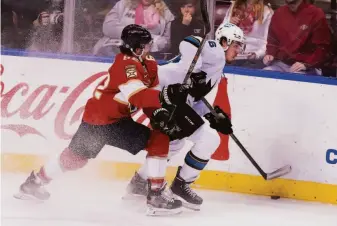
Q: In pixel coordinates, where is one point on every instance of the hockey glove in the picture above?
(160, 120)
(174, 94)
(199, 87)
(221, 122)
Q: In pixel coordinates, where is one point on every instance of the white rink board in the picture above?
(279, 122)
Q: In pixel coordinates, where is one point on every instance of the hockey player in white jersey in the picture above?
(206, 80)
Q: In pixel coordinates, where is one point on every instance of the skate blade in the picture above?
(152, 211)
(191, 206)
(187, 205)
(23, 196)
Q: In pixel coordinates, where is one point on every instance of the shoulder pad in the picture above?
(130, 59)
(149, 57)
(194, 40)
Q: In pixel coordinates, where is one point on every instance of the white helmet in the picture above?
(231, 32)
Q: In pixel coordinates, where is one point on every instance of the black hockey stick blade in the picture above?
(267, 176)
(279, 172)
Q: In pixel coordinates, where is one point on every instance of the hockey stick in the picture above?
(205, 18)
(267, 176)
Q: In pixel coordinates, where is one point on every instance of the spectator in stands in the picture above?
(17, 21)
(88, 22)
(188, 22)
(47, 36)
(329, 68)
(9, 29)
(299, 39)
(253, 17)
(152, 14)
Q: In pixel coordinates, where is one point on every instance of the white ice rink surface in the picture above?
(86, 202)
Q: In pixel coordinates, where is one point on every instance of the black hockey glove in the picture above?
(160, 119)
(174, 94)
(184, 121)
(221, 123)
(199, 88)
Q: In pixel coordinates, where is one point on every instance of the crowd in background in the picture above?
(294, 36)
(34, 25)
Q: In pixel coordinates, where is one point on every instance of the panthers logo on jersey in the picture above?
(131, 71)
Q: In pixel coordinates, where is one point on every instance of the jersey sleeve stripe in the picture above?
(120, 99)
(131, 87)
(194, 41)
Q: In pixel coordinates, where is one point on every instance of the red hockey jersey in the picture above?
(128, 84)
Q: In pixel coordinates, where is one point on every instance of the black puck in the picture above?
(275, 197)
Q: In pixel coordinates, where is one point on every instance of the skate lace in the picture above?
(170, 200)
(167, 196)
(189, 191)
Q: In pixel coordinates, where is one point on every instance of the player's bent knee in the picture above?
(216, 140)
(202, 151)
(204, 148)
(70, 160)
(175, 147)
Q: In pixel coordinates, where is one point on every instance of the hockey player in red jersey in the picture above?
(132, 81)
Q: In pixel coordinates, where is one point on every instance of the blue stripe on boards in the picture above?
(228, 69)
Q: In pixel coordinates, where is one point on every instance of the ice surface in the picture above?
(79, 201)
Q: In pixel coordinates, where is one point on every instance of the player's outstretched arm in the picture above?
(138, 94)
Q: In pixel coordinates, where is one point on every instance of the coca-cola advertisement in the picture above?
(42, 101)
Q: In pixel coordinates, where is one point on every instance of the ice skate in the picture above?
(32, 189)
(182, 190)
(159, 203)
(136, 189)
